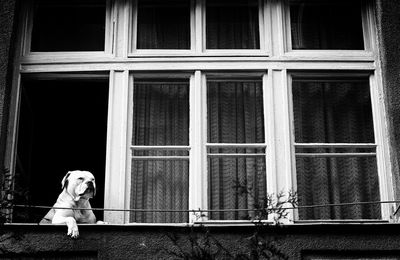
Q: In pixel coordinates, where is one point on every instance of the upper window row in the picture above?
(81, 25)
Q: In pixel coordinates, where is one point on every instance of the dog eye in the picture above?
(80, 178)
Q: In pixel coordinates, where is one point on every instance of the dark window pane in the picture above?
(161, 113)
(326, 25)
(163, 24)
(332, 112)
(232, 24)
(160, 185)
(69, 26)
(235, 112)
(323, 181)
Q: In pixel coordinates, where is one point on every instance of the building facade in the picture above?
(194, 116)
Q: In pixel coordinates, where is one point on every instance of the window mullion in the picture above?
(270, 132)
(277, 28)
(121, 30)
(197, 164)
(382, 149)
(285, 178)
(116, 182)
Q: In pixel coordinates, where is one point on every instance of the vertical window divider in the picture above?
(121, 28)
(368, 26)
(109, 32)
(197, 167)
(285, 160)
(268, 90)
(27, 26)
(133, 14)
(277, 28)
(193, 25)
(266, 35)
(201, 26)
(117, 131)
(382, 149)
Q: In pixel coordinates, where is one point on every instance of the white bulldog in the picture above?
(73, 205)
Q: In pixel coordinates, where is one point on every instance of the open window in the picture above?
(62, 127)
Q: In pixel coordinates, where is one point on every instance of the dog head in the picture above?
(79, 184)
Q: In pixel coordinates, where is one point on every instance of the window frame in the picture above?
(380, 144)
(27, 26)
(274, 61)
(368, 19)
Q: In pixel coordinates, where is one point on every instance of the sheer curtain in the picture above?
(160, 118)
(335, 112)
(232, 25)
(235, 115)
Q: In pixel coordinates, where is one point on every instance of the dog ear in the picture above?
(64, 182)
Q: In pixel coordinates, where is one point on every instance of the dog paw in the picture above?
(73, 233)
(102, 222)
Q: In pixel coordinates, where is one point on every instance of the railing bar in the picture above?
(218, 210)
(335, 145)
(156, 158)
(315, 155)
(228, 145)
(169, 147)
(236, 155)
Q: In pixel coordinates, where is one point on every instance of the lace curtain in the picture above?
(161, 118)
(335, 112)
(232, 25)
(235, 115)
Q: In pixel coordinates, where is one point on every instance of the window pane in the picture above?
(162, 185)
(161, 113)
(235, 112)
(338, 180)
(232, 24)
(332, 111)
(236, 183)
(326, 25)
(163, 25)
(69, 26)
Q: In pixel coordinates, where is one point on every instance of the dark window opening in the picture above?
(62, 127)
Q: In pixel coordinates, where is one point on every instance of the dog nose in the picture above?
(90, 184)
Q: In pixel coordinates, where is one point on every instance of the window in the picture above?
(162, 25)
(232, 25)
(68, 26)
(62, 126)
(335, 146)
(315, 25)
(236, 145)
(200, 109)
(160, 149)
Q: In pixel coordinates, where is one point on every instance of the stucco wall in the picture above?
(388, 24)
(140, 242)
(7, 27)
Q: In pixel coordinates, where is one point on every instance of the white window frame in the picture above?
(383, 169)
(367, 16)
(27, 26)
(275, 61)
